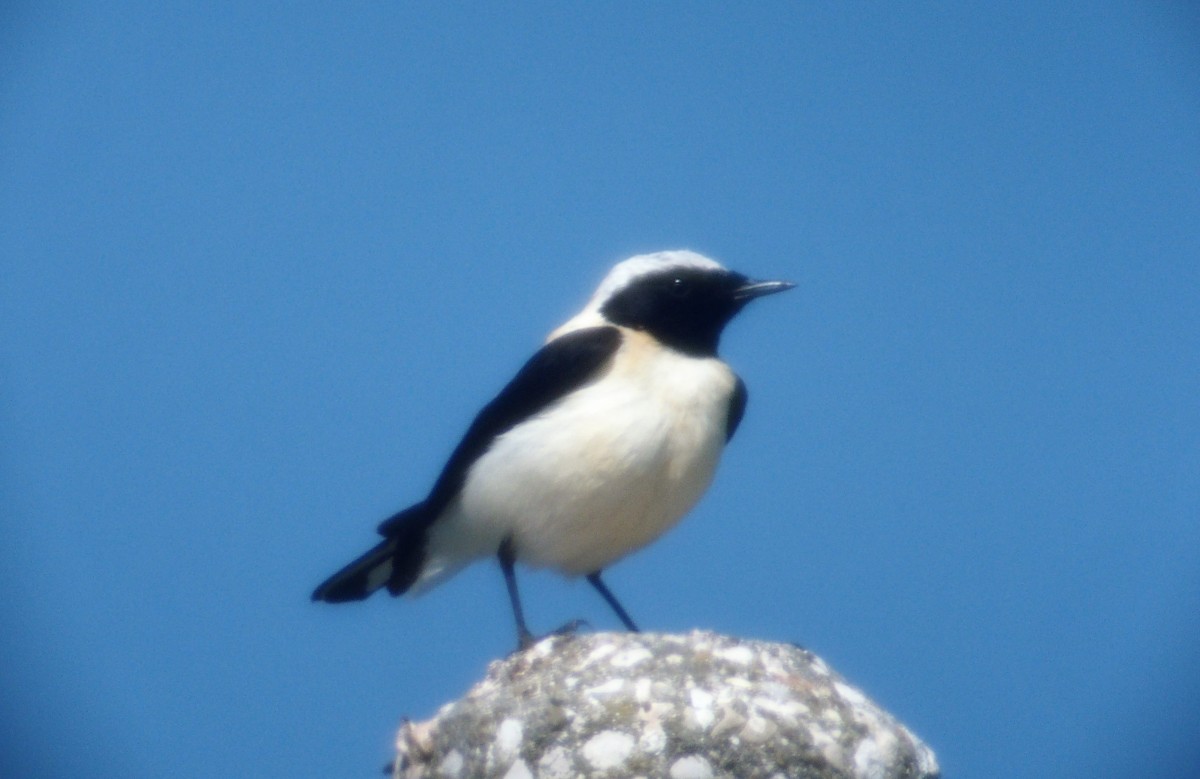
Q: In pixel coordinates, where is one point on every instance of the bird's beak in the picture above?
(757, 289)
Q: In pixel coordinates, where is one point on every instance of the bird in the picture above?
(605, 438)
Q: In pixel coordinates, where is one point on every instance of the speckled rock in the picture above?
(699, 706)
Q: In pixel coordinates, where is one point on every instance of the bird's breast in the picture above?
(610, 467)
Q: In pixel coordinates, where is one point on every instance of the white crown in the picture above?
(625, 273)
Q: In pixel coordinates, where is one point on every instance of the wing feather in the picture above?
(737, 409)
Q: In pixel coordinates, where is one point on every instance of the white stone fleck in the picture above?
(865, 716)
(787, 712)
(779, 692)
(833, 718)
(508, 740)
(699, 719)
(758, 730)
(875, 754)
(926, 760)
(654, 712)
(691, 767)
(818, 666)
(556, 764)
(849, 694)
(518, 770)
(599, 653)
(773, 667)
(451, 765)
(631, 657)
(740, 655)
(641, 690)
(606, 690)
(730, 720)
(830, 750)
(701, 699)
(608, 749)
(653, 738)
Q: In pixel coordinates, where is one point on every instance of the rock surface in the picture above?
(699, 706)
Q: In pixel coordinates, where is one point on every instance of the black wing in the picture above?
(737, 408)
(563, 365)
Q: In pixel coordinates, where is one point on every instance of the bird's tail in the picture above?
(361, 577)
(394, 562)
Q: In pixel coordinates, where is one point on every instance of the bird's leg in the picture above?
(595, 580)
(507, 558)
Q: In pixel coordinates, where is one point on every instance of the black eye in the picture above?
(680, 287)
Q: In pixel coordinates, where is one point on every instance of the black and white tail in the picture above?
(394, 562)
(361, 577)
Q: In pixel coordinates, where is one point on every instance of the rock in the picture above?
(699, 706)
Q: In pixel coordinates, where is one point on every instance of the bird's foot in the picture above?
(525, 639)
(571, 628)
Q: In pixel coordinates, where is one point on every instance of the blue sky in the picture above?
(261, 265)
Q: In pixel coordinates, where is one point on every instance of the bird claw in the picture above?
(526, 639)
(571, 628)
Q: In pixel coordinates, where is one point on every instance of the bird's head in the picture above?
(681, 298)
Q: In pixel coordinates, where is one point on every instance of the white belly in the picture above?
(598, 475)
